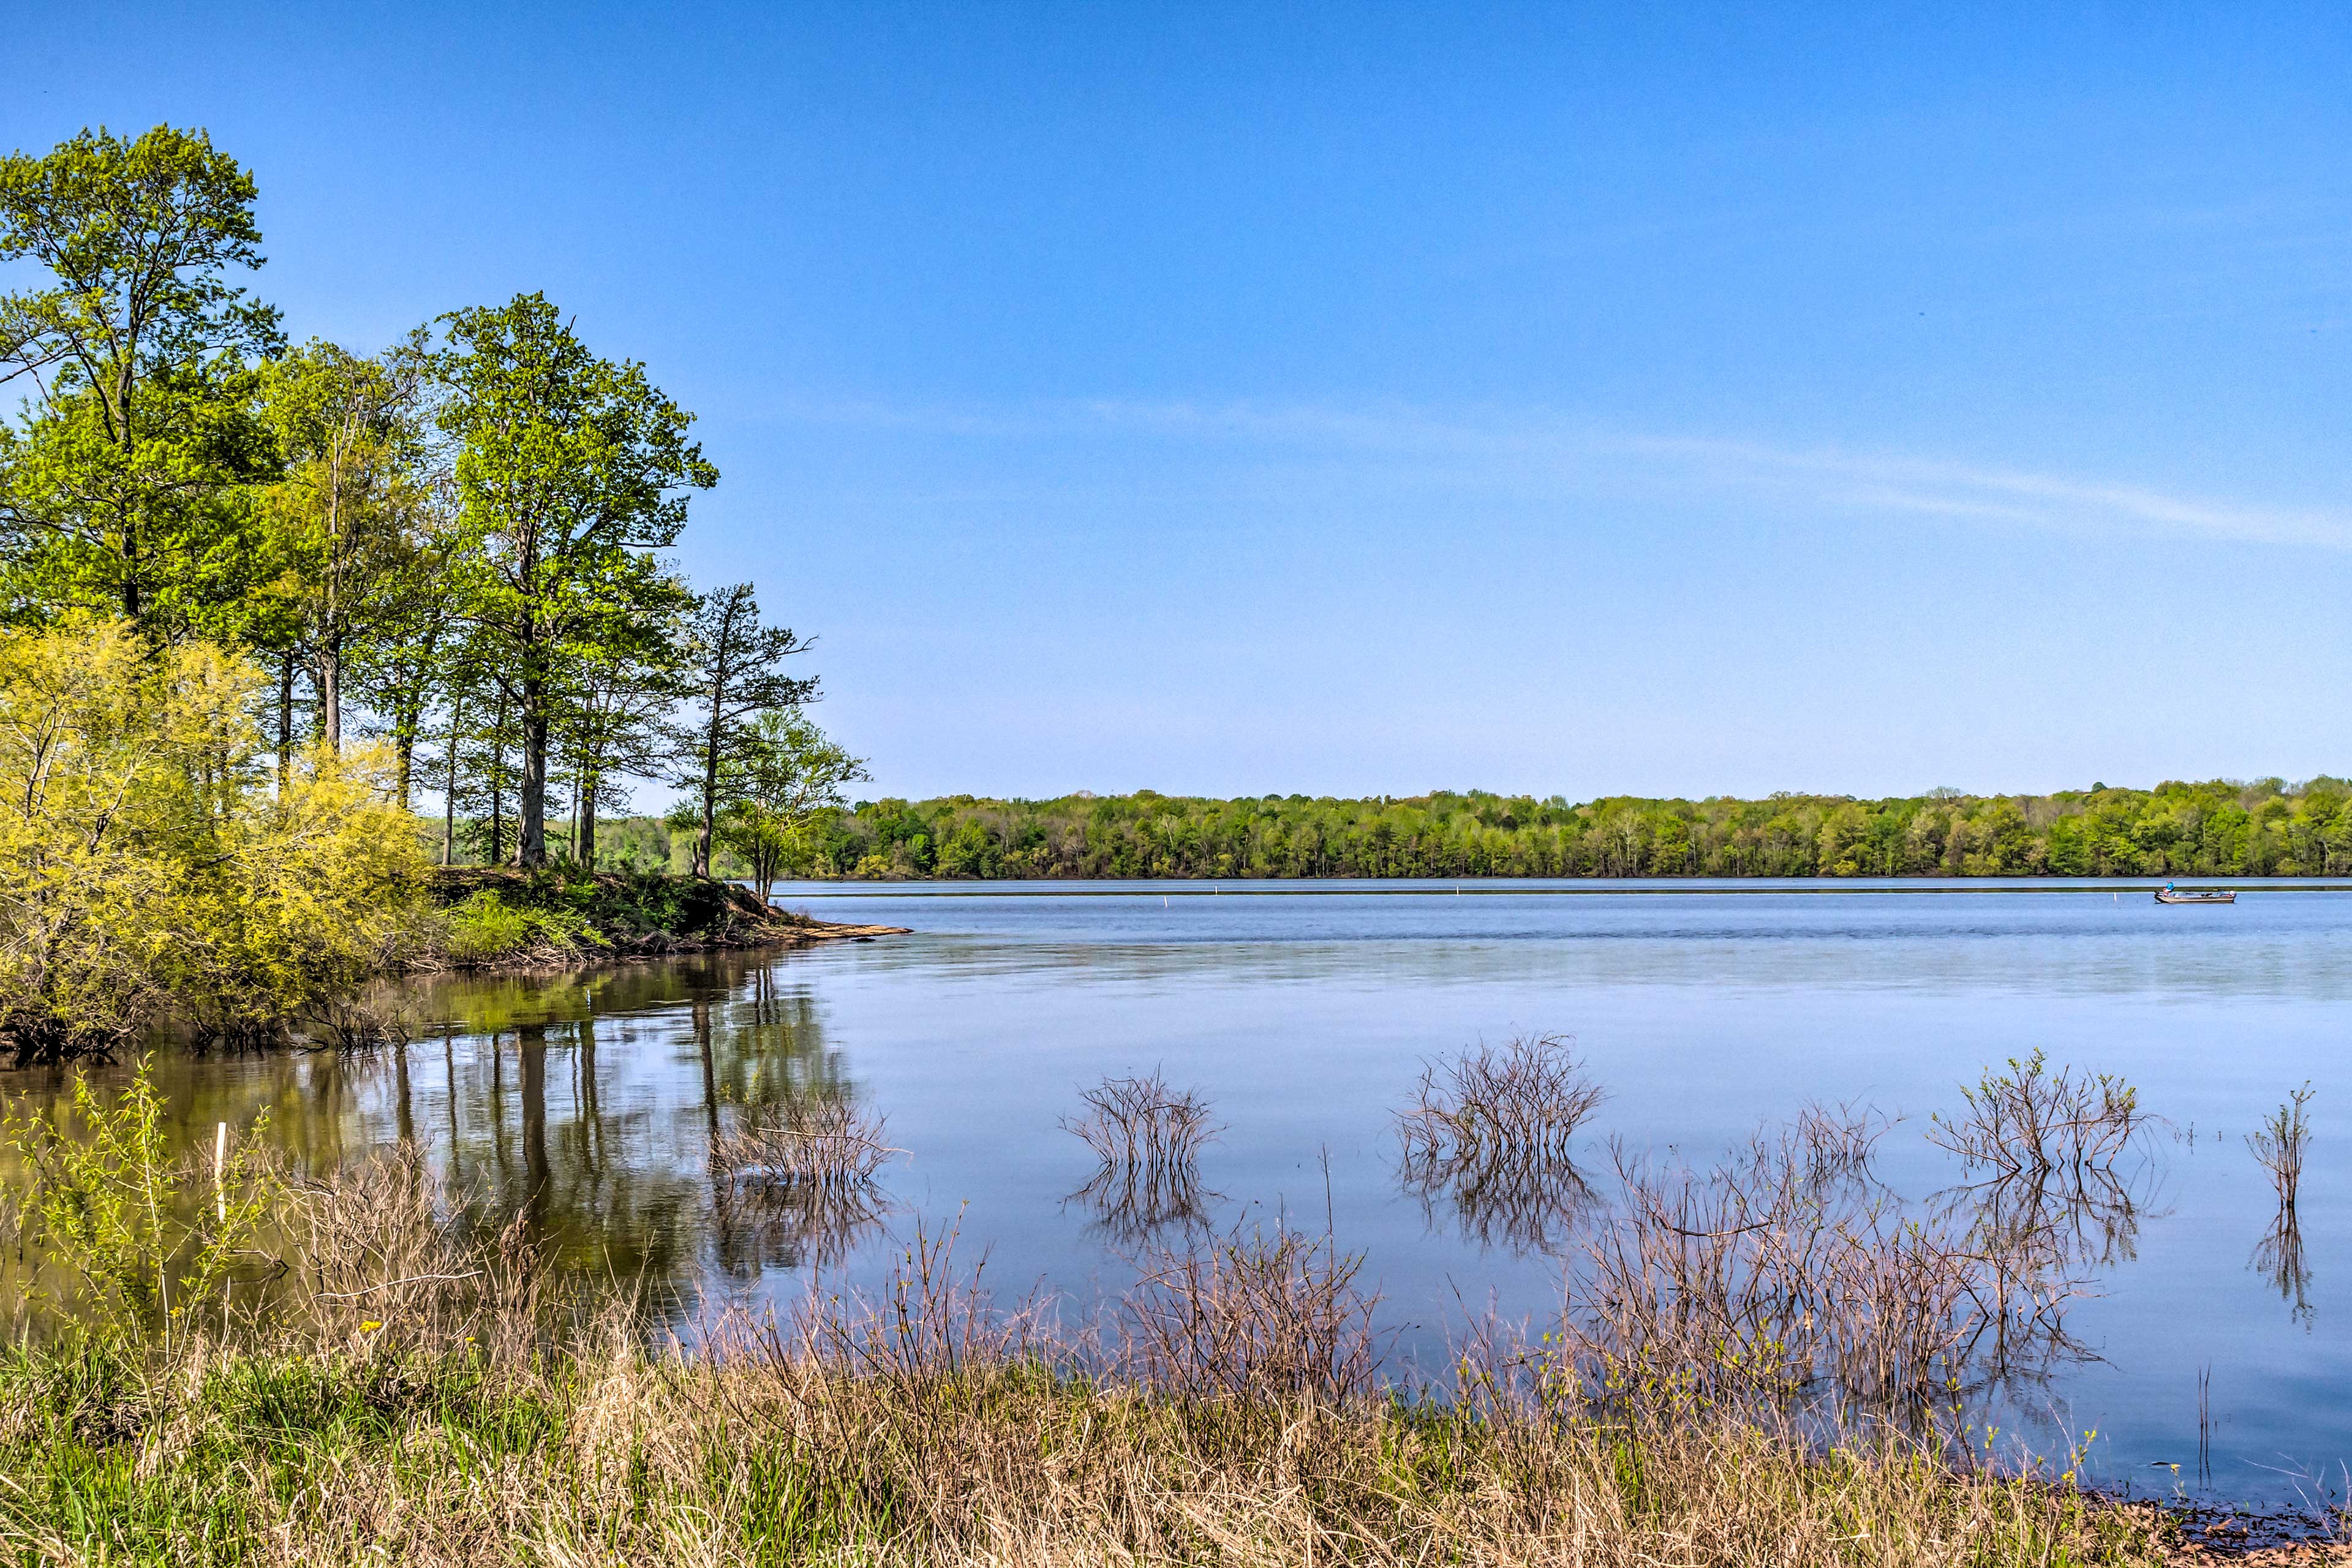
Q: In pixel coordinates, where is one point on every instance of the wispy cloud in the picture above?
(1824, 475)
(1954, 489)
(1547, 454)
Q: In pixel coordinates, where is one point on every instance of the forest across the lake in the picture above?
(2221, 827)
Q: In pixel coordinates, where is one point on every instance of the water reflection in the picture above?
(2279, 1260)
(1135, 1207)
(2068, 1220)
(1526, 1207)
(560, 1100)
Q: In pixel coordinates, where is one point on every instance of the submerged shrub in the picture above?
(1147, 1140)
(1787, 1272)
(2030, 1120)
(801, 1179)
(145, 1234)
(2280, 1143)
(1488, 1133)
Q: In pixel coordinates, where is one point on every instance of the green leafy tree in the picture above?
(351, 517)
(413, 660)
(571, 471)
(789, 772)
(732, 674)
(124, 487)
(2220, 827)
(146, 866)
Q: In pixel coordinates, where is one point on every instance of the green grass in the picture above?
(486, 928)
(495, 915)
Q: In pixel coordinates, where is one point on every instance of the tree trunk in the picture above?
(499, 786)
(285, 720)
(531, 839)
(584, 824)
(710, 786)
(131, 605)
(331, 696)
(450, 785)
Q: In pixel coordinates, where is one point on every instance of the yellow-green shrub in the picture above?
(150, 863)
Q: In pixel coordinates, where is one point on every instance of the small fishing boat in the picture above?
(2196, 896)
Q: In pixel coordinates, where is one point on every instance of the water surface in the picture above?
(1302, 1015)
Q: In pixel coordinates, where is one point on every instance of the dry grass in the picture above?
(1249, 1318)
(413, 1392)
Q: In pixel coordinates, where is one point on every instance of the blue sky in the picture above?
(1358, 399)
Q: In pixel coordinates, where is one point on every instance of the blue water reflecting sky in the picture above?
(1304, 1021)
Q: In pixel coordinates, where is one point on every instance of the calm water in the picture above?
(1304, 1017)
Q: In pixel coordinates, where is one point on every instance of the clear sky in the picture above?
(1358, 399)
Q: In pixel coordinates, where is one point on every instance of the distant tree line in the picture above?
(451, 548)
(2217, 829)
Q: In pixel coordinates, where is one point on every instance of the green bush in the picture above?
(485, 928)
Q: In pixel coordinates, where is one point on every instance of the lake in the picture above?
(1302, 1015)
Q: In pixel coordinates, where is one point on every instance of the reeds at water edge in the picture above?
(1787, 1271)
(416, 1383)
(1249, 1317)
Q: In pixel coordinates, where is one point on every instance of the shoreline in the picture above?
(503, 919)
(1343, 886)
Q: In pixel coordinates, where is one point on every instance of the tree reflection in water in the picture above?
(587, 1103)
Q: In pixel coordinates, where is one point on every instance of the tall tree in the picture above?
(732, 674)
(353, 510)
(121, 489)
(571, 470)
(612, 726)
(484, 772)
